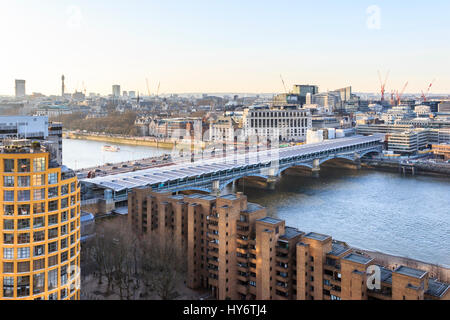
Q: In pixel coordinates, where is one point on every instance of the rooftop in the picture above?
(358, 258)
(436, 288)
(338, 249)
(270, 220)
(410, 272)
(229, 197)
(317, 236)
(252, 207)
(290, 233)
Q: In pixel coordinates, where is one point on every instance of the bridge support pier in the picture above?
(215, 187)
(271, 181)
(316, 168)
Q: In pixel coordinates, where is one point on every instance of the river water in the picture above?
(373, 210)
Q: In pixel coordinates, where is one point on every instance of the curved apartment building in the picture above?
(40, 225)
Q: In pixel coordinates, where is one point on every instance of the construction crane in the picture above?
(383, 84)
(284, 85)
(399, 96)
(148, 87)
(424, 95)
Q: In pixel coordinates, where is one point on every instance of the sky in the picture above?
(223, 45)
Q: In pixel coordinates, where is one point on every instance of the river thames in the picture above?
(373, 210)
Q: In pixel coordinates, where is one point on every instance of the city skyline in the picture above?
(223, 47)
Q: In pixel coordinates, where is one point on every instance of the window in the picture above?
(52, 247)
(38, 264)
(52, 192)
(53, 296)
(8, 253)
(38, 222)
(39, 236)
(23, 195)
(23, 238)
(64, 203)
(23, 267)
(53, 233)
(23, 165)
(23, 210)
(8, 195)
(39, 207)
(39, 194)
(38, 283)
(8, 181)
(64, 243)
(64, 230)
(64, 189)
(64, 216)
(39, 250)
(52, 279)
(38, 180)
(23, 253)
(8, 238)
(8, 165)
(52, 219)
(64, 256)
(8, 210)
(53, 261)
(72, 187)
(23, 224)
(8, 287)
(8, 224)
(39, 164)
(23, 181)
(8, 267)
(53, 205)
(53, 178)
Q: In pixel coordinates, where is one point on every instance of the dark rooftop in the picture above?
(229, 197)
(252, 207)
(436, 288)
(317, 236)
(338, 249)
(270, 220)
(358, 258)
(290, 233)
(411, 272)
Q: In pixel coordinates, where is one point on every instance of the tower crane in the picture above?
(399, 96)
(284, 85)
(424, 95)
(383, 84)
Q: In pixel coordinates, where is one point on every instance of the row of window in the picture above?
(55, 278)
(38, 194)
(39, 250)
(39, 208)
(24, 238)
(24, 165)
(37, 180)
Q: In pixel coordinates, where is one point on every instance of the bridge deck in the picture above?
(199, 168)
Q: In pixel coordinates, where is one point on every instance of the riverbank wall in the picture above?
(134, 141)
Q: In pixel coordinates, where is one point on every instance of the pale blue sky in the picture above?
(222, 46)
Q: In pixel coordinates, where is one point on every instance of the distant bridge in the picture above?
(213, 175)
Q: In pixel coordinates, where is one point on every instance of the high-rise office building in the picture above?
(116, 90)
(237, 252)
(40, 224)
(20, 88)
(303, 90)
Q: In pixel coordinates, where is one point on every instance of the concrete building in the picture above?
(116, 91)
(237, 252)
(282, 123)
(408, 142)
(224, 129)
(20, 89)
(33, 127)
(330, 100)
(444, 107)
(40, 225)
(397, 113)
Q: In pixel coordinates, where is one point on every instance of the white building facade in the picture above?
(282, 124)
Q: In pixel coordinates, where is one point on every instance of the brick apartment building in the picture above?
(238, 252)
